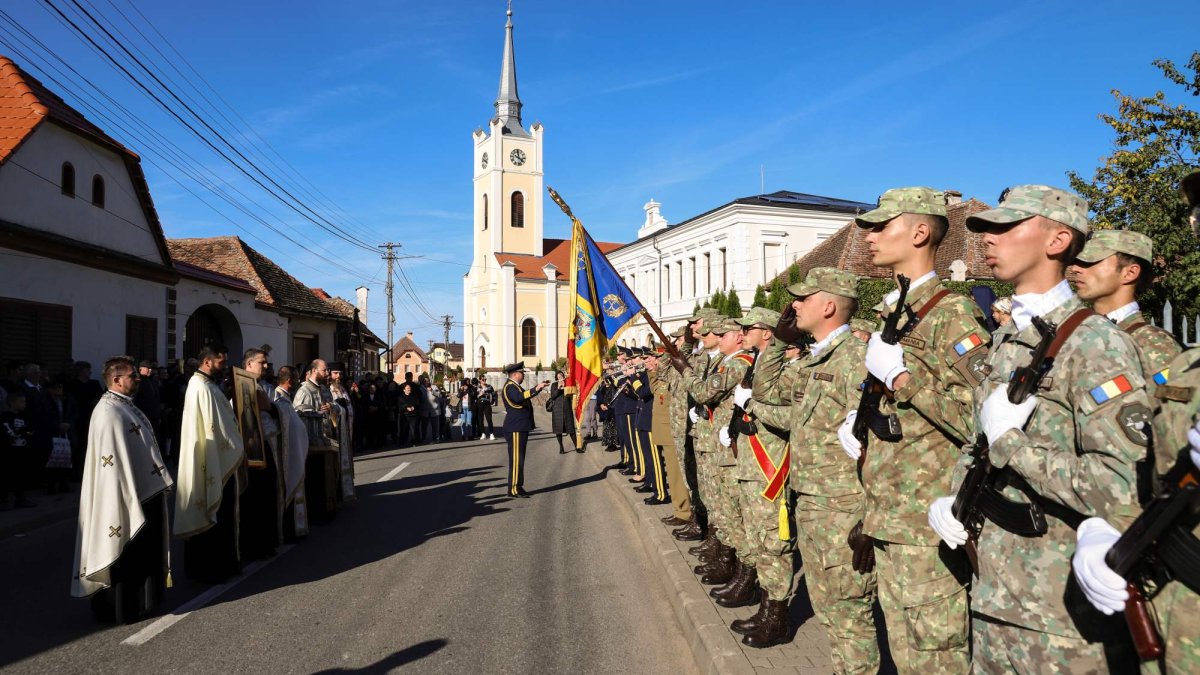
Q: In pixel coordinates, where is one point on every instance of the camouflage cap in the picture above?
(1190, 187)
(679, 332)
(863, 325)
(919, 200)
(1022, 202)
(711, 320)
(759, 316)
(826, 279)
(726, 326)
(704, 313)
(1103, 243)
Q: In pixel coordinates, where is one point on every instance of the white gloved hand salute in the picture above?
(884, 361)
(1104, 588)
(998, 415)
(850, 444)
(692, 416)
(942, 520)
(723, 436)
(741, 396)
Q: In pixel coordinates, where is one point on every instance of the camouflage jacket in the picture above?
(1076, 458)
(827, 389)
(690, 379)
(677, 400)
(716, 391)
(944, 355)
(661, 431)
(1156, 347)
(771, 436)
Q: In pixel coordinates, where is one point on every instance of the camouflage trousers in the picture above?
(1178, 612)
(717, 487)
(1000, 647)
(922, 590)
(681, 501)
(761, 547)
(841, 598)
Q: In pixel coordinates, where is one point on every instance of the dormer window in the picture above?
(97, 191)
(68, 179)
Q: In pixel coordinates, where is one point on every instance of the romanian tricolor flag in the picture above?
(604, 308)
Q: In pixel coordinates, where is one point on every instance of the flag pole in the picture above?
(667, 343)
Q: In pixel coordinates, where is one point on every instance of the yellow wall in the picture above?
(519, 240)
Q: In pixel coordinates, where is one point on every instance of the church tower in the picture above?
(508, 172)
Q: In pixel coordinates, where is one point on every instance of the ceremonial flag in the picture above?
(604, 308)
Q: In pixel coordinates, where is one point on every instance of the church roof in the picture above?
(556, 252)
(508, 103)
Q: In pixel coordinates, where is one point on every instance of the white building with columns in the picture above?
(736, 246)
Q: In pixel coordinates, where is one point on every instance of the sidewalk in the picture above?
(716, 648)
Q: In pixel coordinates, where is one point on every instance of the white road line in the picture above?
(392, 474)
(150, 632)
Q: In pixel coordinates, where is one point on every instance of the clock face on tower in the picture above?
(483, 161)
(517, 157)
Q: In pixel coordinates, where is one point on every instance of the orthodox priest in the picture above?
(315, 405)
(211, 456)
(293, 445)
(123, 541)
(261, 506)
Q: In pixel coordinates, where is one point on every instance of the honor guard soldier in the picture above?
(829, 498)
(624, 407)
(924, 416)
(683, 408)
(641, 387)
(668, 428)
(1176, 598)
(1056, 414)
(518, 422)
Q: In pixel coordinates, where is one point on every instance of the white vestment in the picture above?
(295, 445)
(122, 470)
(210, 453)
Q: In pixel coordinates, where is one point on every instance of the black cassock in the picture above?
(212, 556)
(139, 575)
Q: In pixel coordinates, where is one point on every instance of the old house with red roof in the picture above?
(87, 273)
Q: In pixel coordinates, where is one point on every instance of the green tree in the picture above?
(1156, 143)
(733, 305)
(760, 297)
(794, 275)
(718, 301)
(696, 309)
(779, 297)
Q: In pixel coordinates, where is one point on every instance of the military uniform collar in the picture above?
(820, 347)
(1057, 316)
(728, 358)
(1121, 314)
(913, 288)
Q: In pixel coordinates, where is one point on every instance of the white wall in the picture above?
(258, 326)
(37, 201)
(322, 328)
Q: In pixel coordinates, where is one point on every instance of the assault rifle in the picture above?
(1159, 545)
(735, 422)
(886, 428)
(978, 497)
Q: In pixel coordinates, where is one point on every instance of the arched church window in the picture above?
(68, 179)
(482, 357)
(97, 191)
(485, 212)
(528, 337)
(518, 209)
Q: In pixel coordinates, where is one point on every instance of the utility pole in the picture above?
(446, 344)
(390, 257)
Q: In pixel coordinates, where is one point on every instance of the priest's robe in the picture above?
(211, 479)
(293, 442)
(261, 504)
(122, 544)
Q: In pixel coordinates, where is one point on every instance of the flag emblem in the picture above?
(585, 326)
(613, 305)
(1162, 376)
(1111, 389)
(971, 342)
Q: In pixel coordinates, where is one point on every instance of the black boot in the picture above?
(718, 572)
(689, 532)
(748, 626)
(710, 543)
(773, 629)
(739, 573)
(744, 590)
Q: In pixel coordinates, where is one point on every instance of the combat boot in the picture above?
(773, 629)
(689, 532)
(710, 543)
(749, 625)
(744, 590)
(720, 571)
(739, 572)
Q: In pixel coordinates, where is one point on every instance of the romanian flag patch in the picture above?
(1162, 376)
(971, 342)
(1111, 389)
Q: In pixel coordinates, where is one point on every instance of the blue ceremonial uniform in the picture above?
(643, 418)
(518, 422)
(624, 407)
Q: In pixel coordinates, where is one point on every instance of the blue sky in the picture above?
(373, 103)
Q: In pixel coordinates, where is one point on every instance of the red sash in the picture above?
(776, 475)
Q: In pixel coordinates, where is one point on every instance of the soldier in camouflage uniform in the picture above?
(830, 499)
(715, 461)
(930, 376)
(696, 369)
(1071, 448)
(1176, 430)
(666, 434)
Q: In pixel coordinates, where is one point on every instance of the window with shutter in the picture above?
(141, 337)
(35, 332)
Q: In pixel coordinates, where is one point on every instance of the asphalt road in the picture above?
(431, 570)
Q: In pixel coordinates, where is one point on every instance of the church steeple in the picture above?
(508, 104)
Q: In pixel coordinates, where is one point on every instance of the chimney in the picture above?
(654, 220)
(361, 294)
(953, 197)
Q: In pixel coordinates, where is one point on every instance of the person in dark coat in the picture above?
(409, 404)
(562, 412)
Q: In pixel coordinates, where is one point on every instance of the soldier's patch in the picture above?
(826, 377)
(967, 344)
(1111, 389)
(914, 342)
(1161, 377)
(714, 382)
(798, 396)
(1134, 419)
(1046, 383)
(974, 368)
(1172, 393)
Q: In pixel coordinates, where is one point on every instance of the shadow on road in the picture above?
(384, 665)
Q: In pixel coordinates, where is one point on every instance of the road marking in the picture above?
(392, 474)
(150, 632)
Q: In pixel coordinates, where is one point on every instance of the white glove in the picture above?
(998, 415)
(692, 416)
(1104, 588)
(884, 361)
(942, 520)
(723, 436)
(850, 444)
(741, 395)
(1194, 441)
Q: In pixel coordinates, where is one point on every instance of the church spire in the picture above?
(508, 104)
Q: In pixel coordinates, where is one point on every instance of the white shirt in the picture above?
(1121, 313)
(820, 346)
(1028, 305)
(891, 298)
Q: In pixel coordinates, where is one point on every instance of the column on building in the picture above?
(507, 333)
(551, 330)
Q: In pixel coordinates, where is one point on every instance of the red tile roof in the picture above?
(189, 271)
(556, 252)
(406, 344)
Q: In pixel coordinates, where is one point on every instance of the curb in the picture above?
(713, 645)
